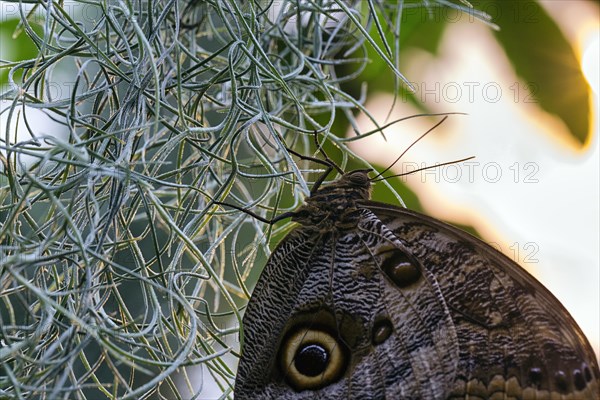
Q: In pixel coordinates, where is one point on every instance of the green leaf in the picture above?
(15, 46)
(543, 57)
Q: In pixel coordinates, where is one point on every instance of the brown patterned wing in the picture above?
(346, 314)
(515, 338)
(371, 301)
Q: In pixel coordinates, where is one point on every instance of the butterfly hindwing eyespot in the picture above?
(311, 358)
(382, 330)
(400, 267)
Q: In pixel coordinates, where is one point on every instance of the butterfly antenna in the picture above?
(376, 178)
(326, 160)
(254, 215)
(309, 158)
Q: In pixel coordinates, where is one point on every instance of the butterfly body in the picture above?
(369, 301)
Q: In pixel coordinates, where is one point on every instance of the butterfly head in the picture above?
(335, 206)
(355, 185)
(358, 179)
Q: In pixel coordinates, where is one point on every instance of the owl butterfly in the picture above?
(365, 300)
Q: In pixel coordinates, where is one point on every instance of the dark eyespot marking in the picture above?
(311, 359)
(400, 268)
(587, 372)
(535, 375)
(560, 378)
(578, 379)
(382, 330)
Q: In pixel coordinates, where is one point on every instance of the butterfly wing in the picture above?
(402, 306)
(515, 338)
(333, 318)
(273, 300)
